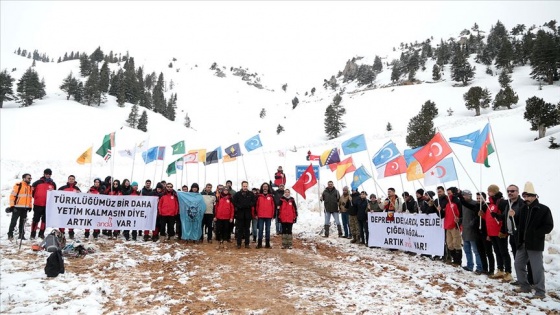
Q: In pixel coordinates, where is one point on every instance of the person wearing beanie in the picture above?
(39, 193)
(533, 222)
(494, 219)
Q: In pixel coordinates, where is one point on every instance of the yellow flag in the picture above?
(85, 157)
(226, 158)
(414, 171)
(201, 154)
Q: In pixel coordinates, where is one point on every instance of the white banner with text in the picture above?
(418, 233)
(66, 209)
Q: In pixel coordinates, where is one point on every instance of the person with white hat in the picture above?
(533, 222)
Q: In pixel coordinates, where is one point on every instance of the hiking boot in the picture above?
(247, 246)
(95, 235)
(538, 296)
(22, 238)
(259, 244)
(267, 244)
(33, 235)
(10, 237)
(134, 237)
(507, 277)
(86, 235)
(326, 230)
(497, 275)
(339, 228)
(42, 234)
(521, 290)
(146, 238)
(71, 235)
(477, 272)
(254, 239)
(155, 238)
(514, 282)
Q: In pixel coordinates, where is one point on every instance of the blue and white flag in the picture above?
(253, 143)
(191, 211)
(387, 153)
(443, 172)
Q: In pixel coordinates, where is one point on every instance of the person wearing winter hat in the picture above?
(494, 219)
(534, 221)
(40, 188)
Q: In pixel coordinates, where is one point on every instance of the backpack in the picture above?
(55, 264)
(54, 241)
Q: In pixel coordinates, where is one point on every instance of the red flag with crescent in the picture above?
(433, 152)
(305, 181)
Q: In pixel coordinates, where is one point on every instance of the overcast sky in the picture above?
(302, 42)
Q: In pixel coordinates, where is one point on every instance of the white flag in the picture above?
(129, 153)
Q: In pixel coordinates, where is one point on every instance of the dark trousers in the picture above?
(484, 248)
(169, 222)
(287, 228)
(20, 214)
(242, 230)
(222, 229)
(364, 231)
(178, 227)
(38, 215)
(207, 221)
(500, 246)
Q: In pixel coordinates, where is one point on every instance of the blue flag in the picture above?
(466, 140)
(191, 212)
(443, 172)
(360, 176)
(219, 150)
(150, 155)
(408, 155)
(387, 153)
(233, 150)
(253, 143)
(353, 145)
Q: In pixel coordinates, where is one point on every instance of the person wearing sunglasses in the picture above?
(168, 209)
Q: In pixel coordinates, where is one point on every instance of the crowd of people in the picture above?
(480, 227)
(247, 214)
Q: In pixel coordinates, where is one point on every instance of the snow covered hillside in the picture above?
(53, 132)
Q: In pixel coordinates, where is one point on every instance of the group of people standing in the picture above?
(478, 227)
(226, 209)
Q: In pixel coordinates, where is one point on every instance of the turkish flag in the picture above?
(433, 152)
(395, 167)
(305, 181)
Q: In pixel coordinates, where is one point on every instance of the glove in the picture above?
(502, 235)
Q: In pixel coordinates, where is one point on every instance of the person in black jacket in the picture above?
(533, 223)
(362, 208)
(243, 201)
(353, 216)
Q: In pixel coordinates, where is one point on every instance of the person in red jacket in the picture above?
(279, 177)
(72, 186)
(223, 216)
(287, 216)
(168, 208)
(40, 189)
(95, 189)
(494, 221)
(265, 208)
(451, 213)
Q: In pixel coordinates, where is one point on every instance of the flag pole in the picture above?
(372, 173)
(266, 165)
(133, 161)
(244, 168)
(162, 165)
(402, 186)
(91, 164)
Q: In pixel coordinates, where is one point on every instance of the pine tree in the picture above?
(505, 98)
(263, 113)
(6, 87)
(279, 129)
(131, 82)
(504, 79)
(495, 39)
(187, 120)
(436, 73)
(158, 97)
(143, 122)
(389, 127)
(396, 71)
(284, 86)
(146, 100)
(140, 79)
(33, 63)
(69, 85)
(170, 109)
(545, 57)
(85, 65)
(29, 87)
(461, 70)
(97, 55)
(92, 92)
(505, 55)
(333, 118)
(313, 91)
(121, 95)
(295, 102)
(104, 79)
(79, 93)
(420, 130)
(377, 64)
(477, 98)
(429, 109)
(413, 65)
(132, 120)
(541, 115)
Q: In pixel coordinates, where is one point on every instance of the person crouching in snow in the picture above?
(287, 216)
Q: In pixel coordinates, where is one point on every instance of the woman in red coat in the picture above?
(287, 216)
(223, 216)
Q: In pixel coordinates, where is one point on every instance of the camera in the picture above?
(9, 209)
